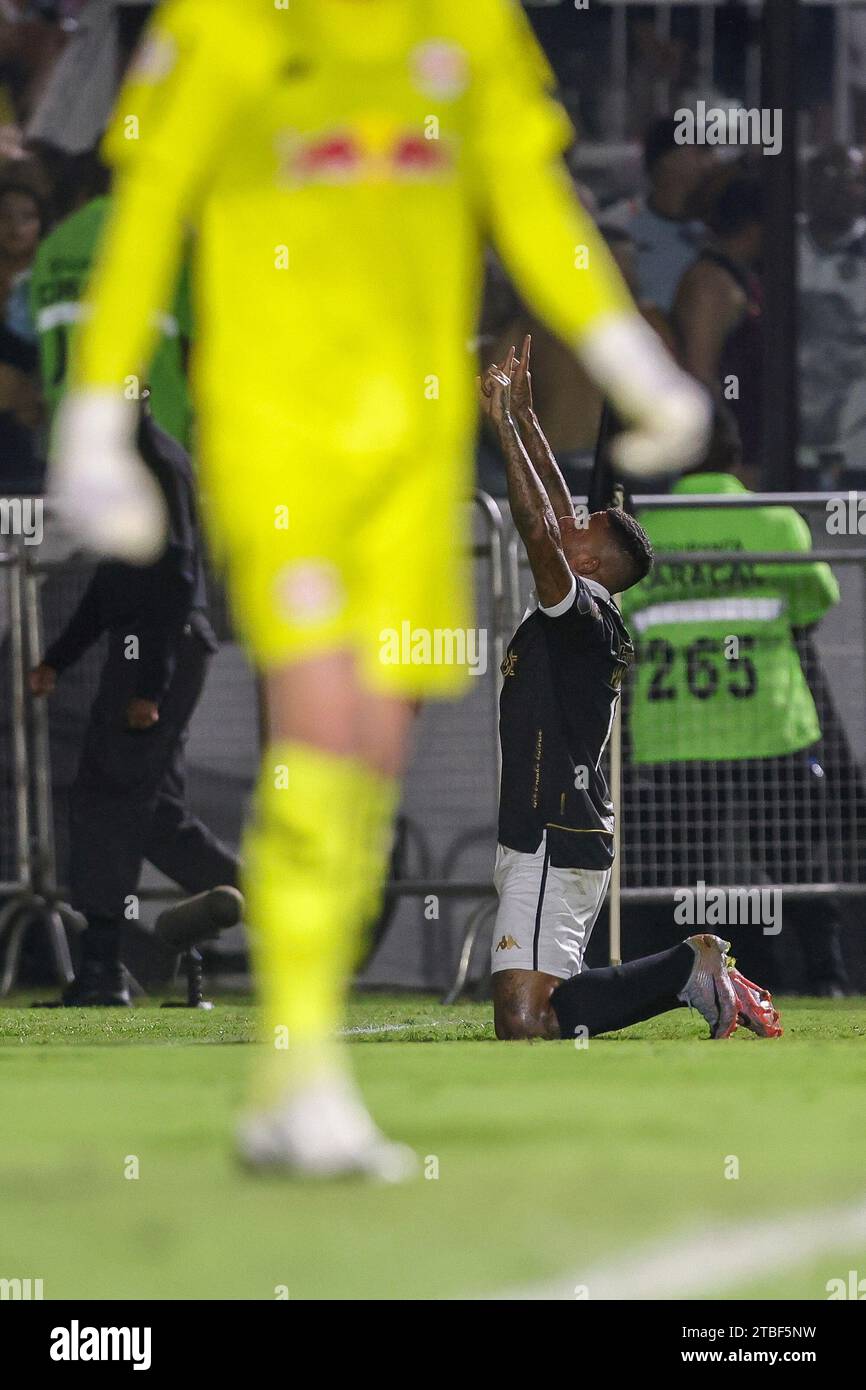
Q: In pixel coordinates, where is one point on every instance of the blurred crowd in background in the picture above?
(685, 222)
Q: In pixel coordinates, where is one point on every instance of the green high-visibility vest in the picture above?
(718, 674)
(58, 281)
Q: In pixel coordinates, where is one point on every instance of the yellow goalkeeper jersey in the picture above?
(339, 162)
(339, 165)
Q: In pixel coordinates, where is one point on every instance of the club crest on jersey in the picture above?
(509, 665)
(309, 592)
(439, 68)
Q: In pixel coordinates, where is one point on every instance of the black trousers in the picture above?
(128, 803)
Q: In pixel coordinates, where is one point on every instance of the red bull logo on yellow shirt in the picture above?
(346, 156)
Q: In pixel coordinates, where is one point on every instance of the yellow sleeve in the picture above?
(552, 248)
(197, 62)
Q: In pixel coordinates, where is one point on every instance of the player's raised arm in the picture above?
(198, 61)
(558, 258)
(534, 438)
(530, 504)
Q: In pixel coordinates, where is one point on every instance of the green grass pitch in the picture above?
(544, 1161)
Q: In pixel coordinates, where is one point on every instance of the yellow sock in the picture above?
(308, 867)
(380, 798)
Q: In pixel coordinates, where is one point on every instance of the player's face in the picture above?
(584, 546)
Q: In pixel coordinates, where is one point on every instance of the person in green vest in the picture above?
(721, 675)
(721, 714)
(58, 282)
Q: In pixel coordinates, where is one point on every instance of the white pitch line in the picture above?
(710, 1260)
(376, 1028)
(396, 1027)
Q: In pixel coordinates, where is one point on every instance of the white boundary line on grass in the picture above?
(397, 1027)
(710, 1260)
(368, 1028)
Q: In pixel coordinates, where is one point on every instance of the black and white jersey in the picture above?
(562, 676)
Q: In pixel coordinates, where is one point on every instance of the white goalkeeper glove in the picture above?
(101, 488)
(668, 412)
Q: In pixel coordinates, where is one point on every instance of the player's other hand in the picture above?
(521, 382)
(102, 490)
(495, 391)
(669, 438)
(668, 412)
(141, 714)
(42, 679)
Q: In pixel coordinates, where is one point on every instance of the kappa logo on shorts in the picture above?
(310, 592)
(507, 943)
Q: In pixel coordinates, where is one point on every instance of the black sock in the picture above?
(618, 995)
(100, 943)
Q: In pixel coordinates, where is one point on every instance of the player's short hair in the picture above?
(634, 544)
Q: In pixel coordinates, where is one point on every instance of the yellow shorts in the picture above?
(363, 553)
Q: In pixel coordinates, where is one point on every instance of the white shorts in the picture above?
(546, 915)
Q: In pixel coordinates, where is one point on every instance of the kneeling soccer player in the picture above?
(340, 163)
(562, 676)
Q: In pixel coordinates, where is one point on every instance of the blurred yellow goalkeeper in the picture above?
(339, 164)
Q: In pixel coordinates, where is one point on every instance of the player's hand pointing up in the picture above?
(521, 382)
(495, 390)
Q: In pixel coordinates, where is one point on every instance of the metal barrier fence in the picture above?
(661, 847)
(40, 743)
(795, 822)
(681, 821)
(40, 588)
(14, 802)
(27, 847)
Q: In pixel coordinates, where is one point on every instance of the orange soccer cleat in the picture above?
(755, 1006)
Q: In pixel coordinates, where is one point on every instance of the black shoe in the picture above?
(98, 985)
(201, 918)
